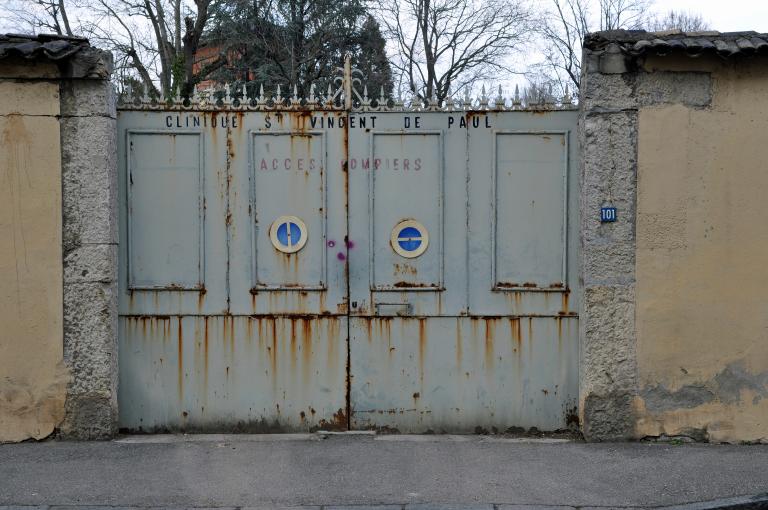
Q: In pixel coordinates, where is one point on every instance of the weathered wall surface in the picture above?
(608, 133)
(58, 226)
(33, 377)
(702, 246)
(674, 317)
(89, 174)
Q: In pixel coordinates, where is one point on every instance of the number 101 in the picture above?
(607, 214)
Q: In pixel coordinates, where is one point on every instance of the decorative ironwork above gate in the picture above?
(343, 95)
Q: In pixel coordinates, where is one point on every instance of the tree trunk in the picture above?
(65, 18)
(143, 73)
(191, 41)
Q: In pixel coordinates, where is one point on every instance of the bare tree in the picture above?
(40, 16)
(537, 90)
(444, 45)
(156, 38)
(679, 20)
(568, 21)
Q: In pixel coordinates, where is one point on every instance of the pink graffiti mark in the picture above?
(341, 256)
(331, 243)
(350, 244)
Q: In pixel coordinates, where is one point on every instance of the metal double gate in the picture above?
(293, 265)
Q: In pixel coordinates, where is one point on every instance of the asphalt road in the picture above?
(273, 471)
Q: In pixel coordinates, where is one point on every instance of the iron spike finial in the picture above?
(549, 99)
(399, 105)
(567, 99)
(262, 100)
(483, 98)
(500, 102)
(278, 97)
(227, 94)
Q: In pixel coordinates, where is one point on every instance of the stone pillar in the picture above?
(608, 132)
(89, 184)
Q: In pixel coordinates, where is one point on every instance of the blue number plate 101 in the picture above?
(607, 214)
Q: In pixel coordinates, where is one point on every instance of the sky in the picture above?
(724, 15)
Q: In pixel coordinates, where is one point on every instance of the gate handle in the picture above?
(394, 309)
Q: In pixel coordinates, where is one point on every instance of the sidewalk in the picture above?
(475, 472)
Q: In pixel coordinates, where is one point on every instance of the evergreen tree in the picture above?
(372, 59)
(294, 42)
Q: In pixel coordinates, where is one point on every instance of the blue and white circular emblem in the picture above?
(288, 234)
(409, 239)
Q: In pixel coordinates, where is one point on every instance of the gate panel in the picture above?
(408, 179)
(528, 223)
(241, 327)
(504, 352)
(523, 215)
(288, 164)
(463, 375)
(172, 196)
(294, 264)
(165, 243)
(232, 373)
(402, 173)
(279, 190)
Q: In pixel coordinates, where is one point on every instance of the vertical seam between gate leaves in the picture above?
(228, 218)
(347, 109)
(467, 204)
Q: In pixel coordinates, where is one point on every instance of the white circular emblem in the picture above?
(288, 234)
(409, 239)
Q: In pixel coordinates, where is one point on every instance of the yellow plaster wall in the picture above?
(33, 377)
(702, 258)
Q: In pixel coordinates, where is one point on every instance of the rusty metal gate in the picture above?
(337, 262)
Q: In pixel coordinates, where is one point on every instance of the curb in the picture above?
(756, 501)
(750, 502)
